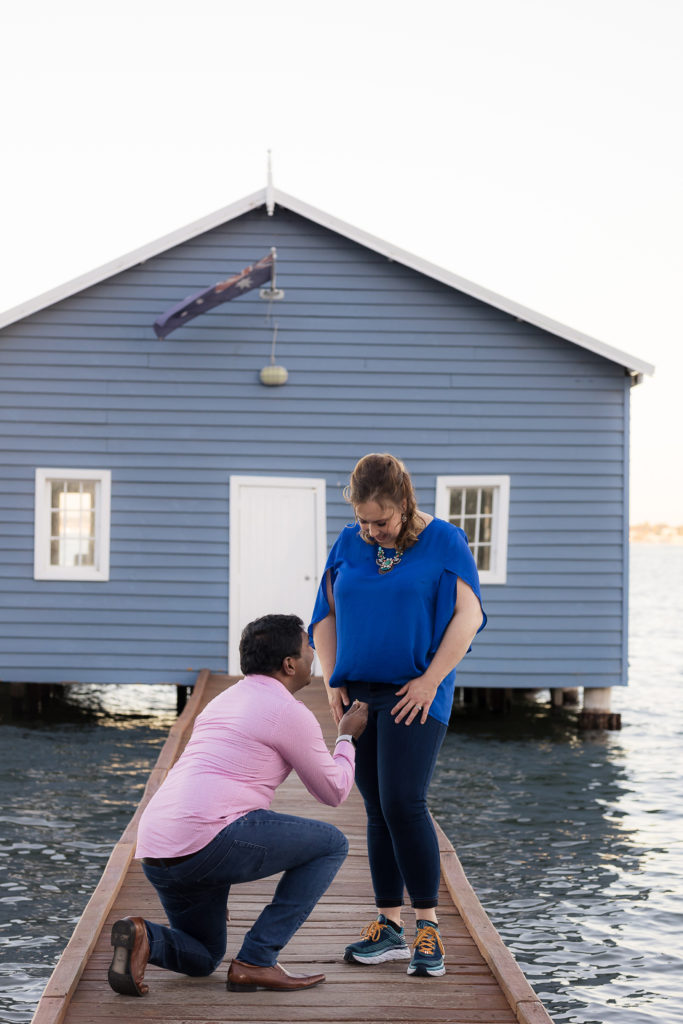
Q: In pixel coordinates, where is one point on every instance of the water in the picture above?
(67, 790)
(572, 841)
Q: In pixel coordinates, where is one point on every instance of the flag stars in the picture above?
(223, 291)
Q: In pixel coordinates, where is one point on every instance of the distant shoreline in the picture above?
(655, 533)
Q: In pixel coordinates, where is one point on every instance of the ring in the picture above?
(419, 707)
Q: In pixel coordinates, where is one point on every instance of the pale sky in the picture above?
(531, 146)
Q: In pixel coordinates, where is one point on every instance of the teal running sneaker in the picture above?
(378, 942)
(427, 959)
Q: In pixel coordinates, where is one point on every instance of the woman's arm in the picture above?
(459, 634)
(325, 641)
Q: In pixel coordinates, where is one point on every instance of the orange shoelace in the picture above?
(373, 931)
(427, 939)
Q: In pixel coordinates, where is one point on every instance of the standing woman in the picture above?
(397, 609)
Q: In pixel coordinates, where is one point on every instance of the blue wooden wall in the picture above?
(379, 358)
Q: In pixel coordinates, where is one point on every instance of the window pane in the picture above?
(471, 501)
(55, 490)
(64, 552)
(74, 523)
(470, 528)
(71, 523)
(84, 555)
(70, 548)
(70, 502)
(487, 501)
(456, 503)
(484, 558)
(87, 524)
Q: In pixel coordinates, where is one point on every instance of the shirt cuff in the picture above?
(345, 736)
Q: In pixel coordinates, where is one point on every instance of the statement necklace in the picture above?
(384, 563)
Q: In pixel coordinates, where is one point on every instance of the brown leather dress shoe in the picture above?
(248, 978)
(131, 953)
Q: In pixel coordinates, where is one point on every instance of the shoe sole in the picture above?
(377, 958)
(426, 972)
(233, 987)
(119, 974)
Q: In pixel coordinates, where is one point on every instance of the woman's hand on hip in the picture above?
(416, 698)
(338, 696)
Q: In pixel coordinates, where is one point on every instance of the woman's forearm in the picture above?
(325, 641)
(458, 636)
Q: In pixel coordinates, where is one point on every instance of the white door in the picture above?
(277, 550)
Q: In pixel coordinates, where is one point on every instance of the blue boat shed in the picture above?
(157, 494)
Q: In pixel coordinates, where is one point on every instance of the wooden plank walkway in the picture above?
(483, 983)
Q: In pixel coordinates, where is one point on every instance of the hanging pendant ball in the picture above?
(273, 376)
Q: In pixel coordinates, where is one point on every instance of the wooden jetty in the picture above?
(483, 982)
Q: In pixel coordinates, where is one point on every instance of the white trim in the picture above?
(267, 195)
(270, 189)
(42, 570)
(422, 266)
(131, 259)
(500, 519)
(316, 484)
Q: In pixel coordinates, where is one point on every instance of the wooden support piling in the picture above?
(597, 712)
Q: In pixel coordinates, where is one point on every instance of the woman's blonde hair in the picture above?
(384, 479)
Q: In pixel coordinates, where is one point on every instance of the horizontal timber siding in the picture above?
(379, 358)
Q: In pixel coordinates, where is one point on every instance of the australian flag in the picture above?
(252, 277)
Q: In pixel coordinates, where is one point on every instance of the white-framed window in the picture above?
(72, 524)
(480, 506)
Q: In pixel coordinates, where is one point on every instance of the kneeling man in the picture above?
(209, 825)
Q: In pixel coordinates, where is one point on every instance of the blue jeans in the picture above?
(394, 766)
(194, 893)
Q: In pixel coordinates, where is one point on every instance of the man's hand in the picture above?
(355, 720)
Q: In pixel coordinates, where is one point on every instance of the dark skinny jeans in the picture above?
(195, 892)
(394, 766)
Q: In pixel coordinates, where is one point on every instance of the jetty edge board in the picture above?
(64, 979)
(483, 984)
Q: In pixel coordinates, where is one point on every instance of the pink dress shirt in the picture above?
(243, 746)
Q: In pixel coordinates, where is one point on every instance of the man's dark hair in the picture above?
(267, 641)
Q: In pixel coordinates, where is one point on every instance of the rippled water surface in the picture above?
(68, 788)
(573, 841)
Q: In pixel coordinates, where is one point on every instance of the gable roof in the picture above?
(270, 197)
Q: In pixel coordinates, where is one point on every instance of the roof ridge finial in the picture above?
(270, 191)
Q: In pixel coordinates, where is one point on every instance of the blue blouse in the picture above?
(390, 626)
